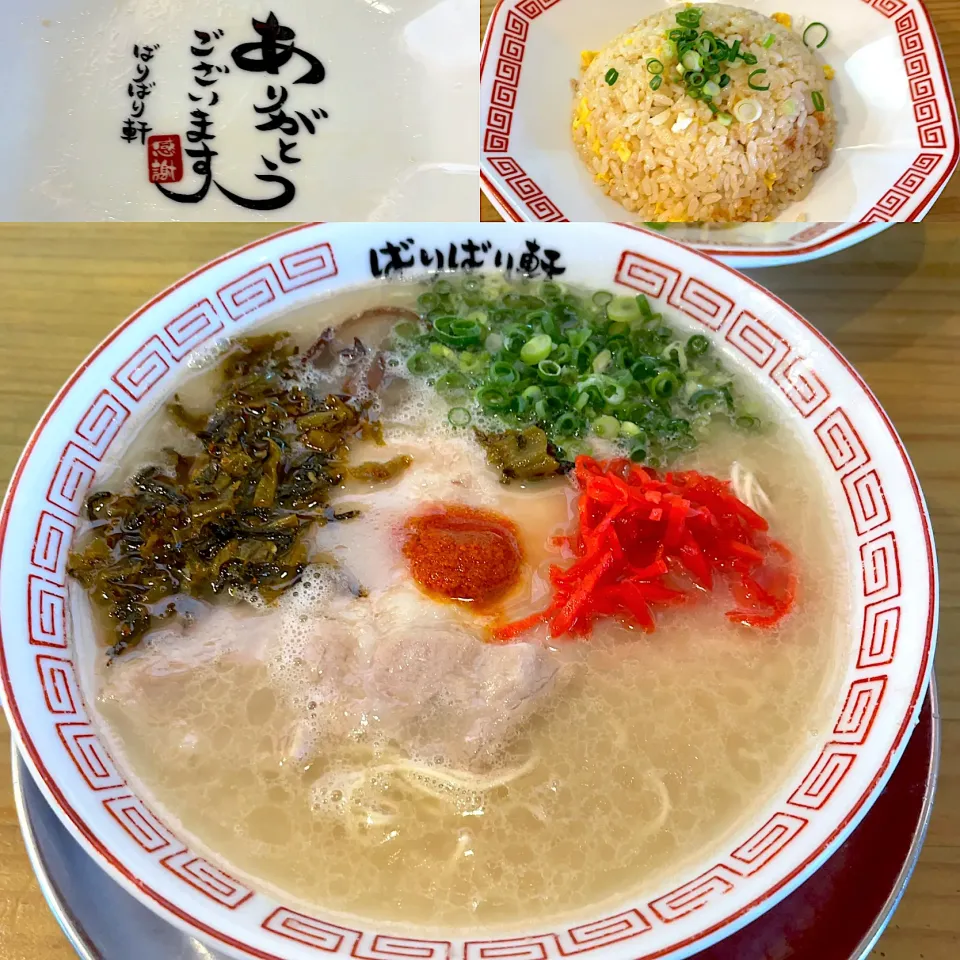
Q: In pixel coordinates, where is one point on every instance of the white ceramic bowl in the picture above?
(897, 136)
(883, 528)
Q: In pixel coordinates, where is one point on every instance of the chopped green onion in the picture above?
(755, 86)
(493, 343)
(613, 394)
(611, 76)
(724, 79)
(549, 370)
(578, 337)
(691, 60)
(606, 427)
(711, 89)
(748, 58)
(746, 422)
(689, 17)
(769, 40)
(623, 309)
(822, 26)
(601, 361)
(472, 363)
(696, 79)
(502, 372)
(567, 425)
(705, 399)
(746, 111)
(586, 354)
(428, 301)
(573, 363)
(451, 383)
(492, 399)
(817, 98)
(664, 385)
(725, 118)
(549, 408)
(536, 349)
(734, 51)
(458, 331)
(654, 65)
(655, 82)
(421, 363)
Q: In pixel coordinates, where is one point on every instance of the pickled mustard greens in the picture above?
(234, 515)
(572, 364)
(522, 454)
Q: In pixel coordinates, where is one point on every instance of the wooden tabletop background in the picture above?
(892, 305)
(946, 19)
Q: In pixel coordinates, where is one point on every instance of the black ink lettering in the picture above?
(549, 264)
(286, 195)
(285, 149)
(529, 261)
(274, 50)
(396, 262)
(471, 249)
(133, 130)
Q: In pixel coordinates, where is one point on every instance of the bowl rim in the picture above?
(770, 894)
(892, 201)
(747, 256)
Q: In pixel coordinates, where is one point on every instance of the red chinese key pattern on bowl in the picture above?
(915, 184)
(158, 359)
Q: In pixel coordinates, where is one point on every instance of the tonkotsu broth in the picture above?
(649, 758)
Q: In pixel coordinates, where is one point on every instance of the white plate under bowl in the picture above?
(399, 88)
(882, 527)
(897, 135)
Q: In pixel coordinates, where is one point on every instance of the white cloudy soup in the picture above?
(406, 630)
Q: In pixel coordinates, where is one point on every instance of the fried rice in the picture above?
(671, 158)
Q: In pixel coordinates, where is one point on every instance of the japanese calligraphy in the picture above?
(274, 50)
(284, 65)
(393, 258)
(135, 128)
(203, 99)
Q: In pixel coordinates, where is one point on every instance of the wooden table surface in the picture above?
(892, 305)
(946, 19)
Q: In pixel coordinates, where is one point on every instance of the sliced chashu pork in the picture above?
(395, 667)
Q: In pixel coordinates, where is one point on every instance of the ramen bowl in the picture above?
(880, 516)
